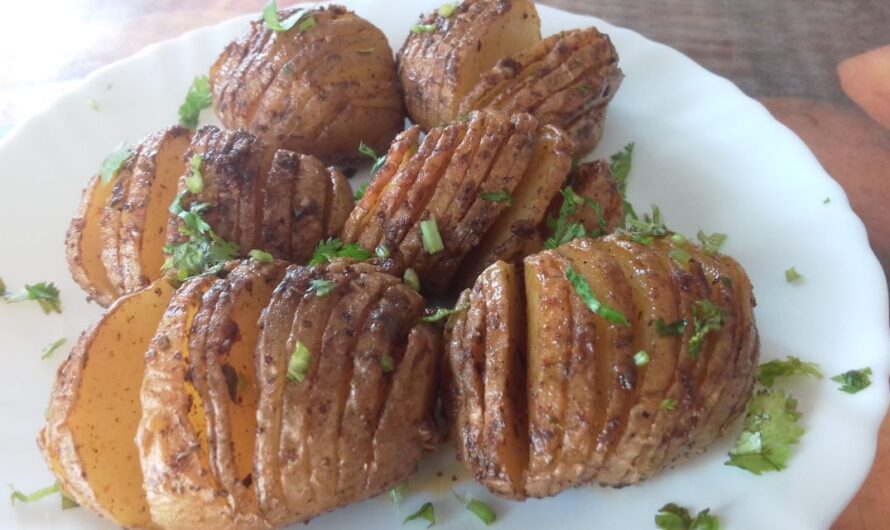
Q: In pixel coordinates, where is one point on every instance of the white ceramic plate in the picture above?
(709, 156)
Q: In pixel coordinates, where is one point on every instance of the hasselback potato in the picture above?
(319, 88)
(601, 361)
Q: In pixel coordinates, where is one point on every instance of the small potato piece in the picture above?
(98, 385)
(355, 422)
(593, 180)
(320, 90)
(566, 80)
(438, 68)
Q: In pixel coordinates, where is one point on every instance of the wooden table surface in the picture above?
(786, 54)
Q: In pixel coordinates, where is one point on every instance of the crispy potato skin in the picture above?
(450, 177)
(83, 244)
(590, 413)
(321, 91)
(351, 429)
(99, 384)
(567, 80)
(438, 68)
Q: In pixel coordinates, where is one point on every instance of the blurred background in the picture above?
(822, 67)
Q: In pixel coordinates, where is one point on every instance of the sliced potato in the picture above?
(357, 421)
(593, 180)
(319, 90)
(98, 385)
(446, 56)
(566, 80)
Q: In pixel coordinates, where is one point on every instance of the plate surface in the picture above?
(709, 156)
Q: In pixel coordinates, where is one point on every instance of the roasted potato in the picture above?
(115, 241)
(444, 57)
(543, 394)
(567, 80)
(486, 183)
(94, 410)
(319, 90)
(346, 386)
(199, 401)
(259, 198)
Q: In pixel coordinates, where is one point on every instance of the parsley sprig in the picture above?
(768, 372)
(204, 252)
(197, 99)
(46, 294)
(771, 429)
(853, 381)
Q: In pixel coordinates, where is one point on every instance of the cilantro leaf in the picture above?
(300, 16)
(322, 288)
(197, 99)
(501, 196)
(45, 294)
(620, 164)
(443, 312)
(706, 317)
(791, 275)
(674, 329)
(51, 348)
(771, 429)
(767, 373)
(564, 230)
(426, 512)
(853, 381)
(377, 161)
(114, 162)
(195, 181)
(411, 279)
(387, 364)
(668, 404)
(299, 363)
(711, 244)
(432, 239)
(582, 289)
(673, 517)
(332, 248)
(478, 508)
(644, 231)
(204, 252)
(423, 28)
(359, 193)
(261, 256)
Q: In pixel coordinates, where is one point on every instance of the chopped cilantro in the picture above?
(382, 251)
(478, 508)
(768, 372)
(706, 317)
(673, 517)
(93, 104)
(446, 10)
(442, 312)
(501, 196)
(582, 289)
(827, 200)
(369, 152)
(261, 256)
(565, 231)
(680, 256)
(387, 364)
(432, 240)
(791, 275)
(197, 99)
(204, 252)
(641, 358)
(423, 28)
(45, 294)
(620, 164)
(771, 429)
(270, 18)
(668, 404)
(332, 248)
(397, 493)
(17, 495)
(426, 512)
(322, 288)
(195, 181)
(299, 363)
(2, 288)
(674, 329)
(411, 279)
(644, 231)
(710, 244)
(853, 381)
(114, 162)
(50, 349)
(359, 193)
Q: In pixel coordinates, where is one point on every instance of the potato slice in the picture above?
(350, 429)
(442, 60)
(319, 91)
(99, 385)
(83, 243)
(593, 180)
(566, 80)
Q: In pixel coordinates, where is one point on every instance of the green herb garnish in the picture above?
(359, 193)
(620, 164)
(644, 231)
(668, 404)
(261, 256)
(563, 230)
(426, 512)
(432, 240)
(791, 275)
(195, 181)
(583, 290)
(197, 99)
(443, 312)
(423, 28)
(332, 248)
(446, 10)
(641, 358)
(382, 251)
(827, 200)
(706, 317)
(93, 104)
(397, 493)
(674, 329)
(204, 252)
(680, 256)
(45, 294)
(270, 18)
(114, 162)
(17, 495)
(768, 372)
(299, 363)
(501, 196)
(322, 288)
(710, 244)
(771, 429)
(673, 517)
(853, 381)
(411, 279)
(369, 152)
(50, 349)
(477, 508)
(387, 364)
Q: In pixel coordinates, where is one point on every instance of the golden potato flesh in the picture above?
(199, 396)
(353, 419)
(94, 410)
(444, 57)
(486, 183)
(319, 90)
(567, 80)
(272, 200)
(596, 412)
